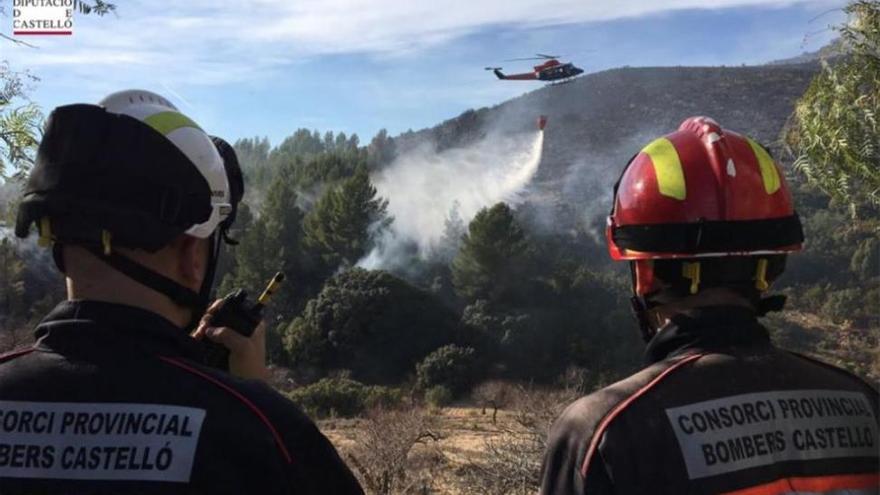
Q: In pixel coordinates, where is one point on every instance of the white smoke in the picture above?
(27, 247)
(423, 185)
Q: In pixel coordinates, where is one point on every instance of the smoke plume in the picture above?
(423, 185)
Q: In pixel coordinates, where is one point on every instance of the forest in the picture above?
(497, 297)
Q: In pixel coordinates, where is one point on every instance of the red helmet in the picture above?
(702, 191)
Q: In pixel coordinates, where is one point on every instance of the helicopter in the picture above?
(549, 71)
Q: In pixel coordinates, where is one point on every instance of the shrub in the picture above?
(369, 322)
(385, 457)
(438, 396)
(451, 366)
(342, 397)
(511, 462)
(865, 262)
(382, 397)
(852, 306)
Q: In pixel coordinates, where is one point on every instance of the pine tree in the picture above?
(341, 142)
(494, 257)
(454, 230)
(382, 150)
(329, 140)
(270, 244)
(344, 221)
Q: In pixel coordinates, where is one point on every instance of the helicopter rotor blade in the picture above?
(543, 55)
(520, 59)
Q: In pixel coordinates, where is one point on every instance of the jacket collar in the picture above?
(710, 328)
(92, 329)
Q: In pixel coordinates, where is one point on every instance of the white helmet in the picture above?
(164, 117)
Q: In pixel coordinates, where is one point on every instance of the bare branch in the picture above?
(17, 41)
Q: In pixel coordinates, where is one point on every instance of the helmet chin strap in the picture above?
(639, 306)
(640, 312)
(197, 302)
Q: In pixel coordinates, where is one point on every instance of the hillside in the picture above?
(598, 121)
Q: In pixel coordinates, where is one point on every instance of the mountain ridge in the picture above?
(597, 122)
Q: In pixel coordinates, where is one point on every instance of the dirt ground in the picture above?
(461, 437)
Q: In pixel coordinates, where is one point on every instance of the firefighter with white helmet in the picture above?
(705, 219)
(115, 397)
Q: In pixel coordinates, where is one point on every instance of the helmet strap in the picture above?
(198, 302)
(181, 295)
(642, 273)
(640, 311)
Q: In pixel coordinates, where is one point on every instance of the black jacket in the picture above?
(719, 410)
(114, 399)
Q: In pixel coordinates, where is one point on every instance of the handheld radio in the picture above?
(237, 313)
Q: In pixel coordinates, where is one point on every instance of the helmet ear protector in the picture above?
(104, 180)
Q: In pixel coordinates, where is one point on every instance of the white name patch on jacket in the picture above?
(752, 430)
(98, 441)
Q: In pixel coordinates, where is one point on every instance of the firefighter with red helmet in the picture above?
(706, 220)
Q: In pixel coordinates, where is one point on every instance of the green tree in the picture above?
(301, 142)
(269, 244)
(454, 230)
(865, 262)
(835, 132)
(341, 226)
(582, 325)
(450, 366)
(253, 155)
(371, 323)
(494, 259)
(341, 142)
(342, 396)
(19, 122)
(382, 150)
(97, 7)
(313, 171)
(329, 139)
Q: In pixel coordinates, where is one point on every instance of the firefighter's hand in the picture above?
(247, 355)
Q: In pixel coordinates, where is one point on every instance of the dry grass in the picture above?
(395, 452)
(454, 450)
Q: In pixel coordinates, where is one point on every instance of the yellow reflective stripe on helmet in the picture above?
(667, 168)
(168, 122)
(768, 167)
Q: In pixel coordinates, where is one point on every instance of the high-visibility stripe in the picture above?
(854, 484)
(238, 395)
(667, 168)
(14, 354)
(768, 167)
(168, 122)
(603, 425)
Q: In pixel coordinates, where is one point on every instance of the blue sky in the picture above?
(267, 67)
